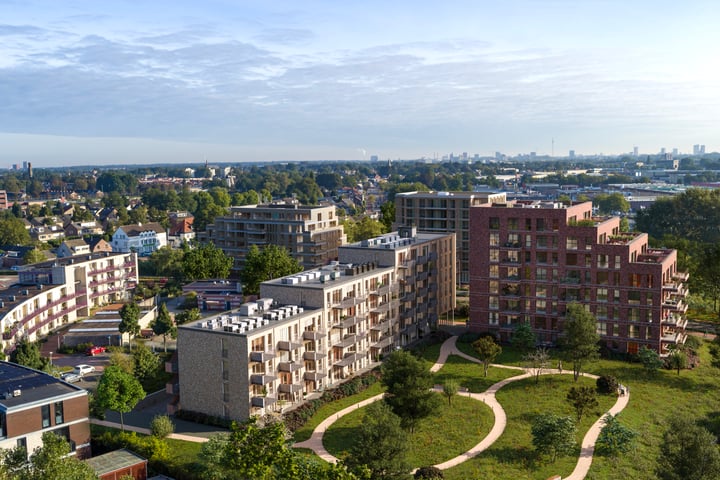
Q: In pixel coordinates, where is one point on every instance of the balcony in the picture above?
(261, 357)
(313, 355)
(349, 359)
(348, 341)
(262, 379)
(681, 276)
(289, 366)
(313, 334)
(288, 345)
(289, 388)
(382, 343)
(349, 321)
(314, 376)
(352, 301)
(381, 327)
(262, 402)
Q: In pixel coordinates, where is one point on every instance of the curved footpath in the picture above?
(448, 348)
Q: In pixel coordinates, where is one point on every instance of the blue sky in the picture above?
(94, 82)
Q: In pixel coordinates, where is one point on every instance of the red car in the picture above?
(92, 351)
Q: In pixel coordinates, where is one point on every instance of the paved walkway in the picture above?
(146, 431)
(448, 348)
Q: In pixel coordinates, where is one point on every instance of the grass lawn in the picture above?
(470, 374)
(331, 408)
(512, 456)
(448, 434)
(508, 356)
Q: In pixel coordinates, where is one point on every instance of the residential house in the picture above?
(144, 239)
(69, 248)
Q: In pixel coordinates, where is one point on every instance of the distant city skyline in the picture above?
(112, 82)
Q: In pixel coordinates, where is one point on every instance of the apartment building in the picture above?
(311, 234)
(51, 294)
(311, 330)
(444, 212)
(33, 402)
(424, 266)
(534, 258)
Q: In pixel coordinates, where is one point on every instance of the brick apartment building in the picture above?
(33, 402)
(532, 259)
(313, 329)
(311, 234)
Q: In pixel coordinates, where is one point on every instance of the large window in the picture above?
(59, 413)
(45, 412)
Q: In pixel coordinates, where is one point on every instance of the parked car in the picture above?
(70, 377)
(83, 369)
(95, 350)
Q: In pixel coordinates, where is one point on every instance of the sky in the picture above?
(87, 82)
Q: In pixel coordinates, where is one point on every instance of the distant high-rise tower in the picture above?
(675, 152)
(662, 151)
(635, 151)
(373, 158)
(702, 149)
(571, 154)
(30, 169)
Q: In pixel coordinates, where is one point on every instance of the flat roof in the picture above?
(114, 461)
(20, 385)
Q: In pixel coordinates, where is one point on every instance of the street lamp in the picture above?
(108, 340)
(51, 359)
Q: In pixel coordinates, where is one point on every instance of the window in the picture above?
(571, 243)
(541, 274)
(541, 292)
(493, 303)
(493, 286)
(494, 223)
(512, 223)
(617, 261)
(494, 271)
(45, 412)
(602, 328)
(601, 312)
(540, 224)
(602, 294)
(494, 239)
(59, 414)
(493, 318)
(494, 255)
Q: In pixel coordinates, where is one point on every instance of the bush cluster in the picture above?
(297, 417)
(203, 418)
(607, 384)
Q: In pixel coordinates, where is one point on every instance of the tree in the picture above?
(429, 473)
(161, 426)
(613, 202)
(579, 339)
(650, 359)
(450, 389)
(523, 338)
(145, 363)
(13, 232)
(129, 320)
(34, 256)
(677, 359)
(271, 262)
(187, 316)
(688, 452)
(487, 350)
(50, 461)
(408, 382)
(582, 399)
(118, 391)
(28, 353)
(614, 437)
(163, 324)
(553, 435)
(536, 362)
(381, 443)
(387, 211)
(206, 261)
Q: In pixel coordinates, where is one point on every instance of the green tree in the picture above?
(487, 350)
(381, 444)
(187, 316)
(164, 325)
(614, 438)
(582, 399)
(50, 461)
(162, 426)
(34, 256)
(408, 382)
(28, 353)
(553, 435)
(118, 391)
(145, 363)
(387, 218)
(429, 473)
(677, 358)
(523, 338)
(206, 261)
(129, 320)
(688, 452)
(206, 211)
(613, 202)
(650, 359)
(13, 232)
(271, 262)
(450, 389)
(255, 451)
(165, 262)
(122, 360)
(579, 339)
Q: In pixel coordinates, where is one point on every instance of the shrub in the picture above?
(607, 384)
(161, 426)
(429, 473)
(469, 337)
(693, 343)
